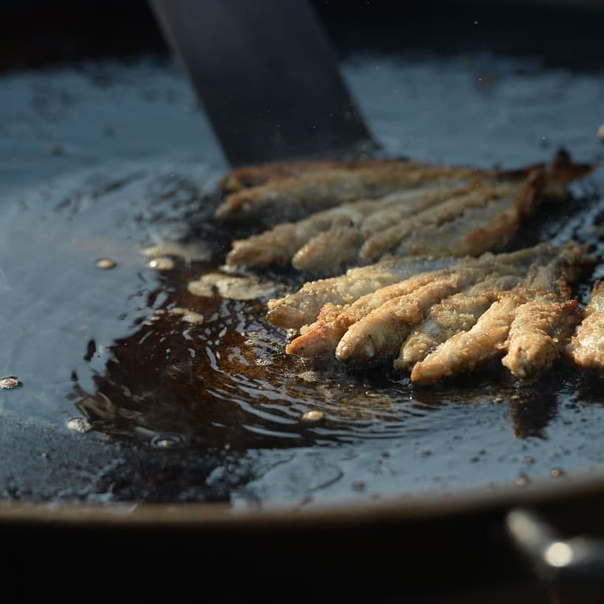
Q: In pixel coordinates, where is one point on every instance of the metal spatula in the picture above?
(266, 76)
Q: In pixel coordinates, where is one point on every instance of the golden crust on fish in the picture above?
(412, 264)
(528, 326)
(467, 350)
(322, 336)
(452, 315)
(538, 334)
(303, 306)
(293, 198)
(586, 347)
(433, 323)
(249, 176)
(351, 217)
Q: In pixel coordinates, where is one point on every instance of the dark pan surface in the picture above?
(105, 158)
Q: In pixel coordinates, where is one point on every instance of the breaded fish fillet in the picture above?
(321, 337)
(586, 346)
(543, 324)
(250, 176)
(303, 306)
(320, 255)
(277, 246)
(380, 333)
(538, 334)
(444, 322)
(409, 258)
(527, 326)
(293, 198)
(452, 315)
(414, 233)
(467, 350)
(425, 210)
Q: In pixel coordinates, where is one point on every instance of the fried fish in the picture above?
(353, 217)
(409, 264)
(586, 347)
(441, 322)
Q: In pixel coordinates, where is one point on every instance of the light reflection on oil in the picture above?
(144, 359)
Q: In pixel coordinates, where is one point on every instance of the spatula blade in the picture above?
(266, 76)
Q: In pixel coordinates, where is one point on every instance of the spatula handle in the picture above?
(266, 75)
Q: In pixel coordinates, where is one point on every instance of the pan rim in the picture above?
(344, 514)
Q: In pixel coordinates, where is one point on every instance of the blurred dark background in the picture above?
(34, 33)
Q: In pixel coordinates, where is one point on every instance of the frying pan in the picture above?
(151, 453)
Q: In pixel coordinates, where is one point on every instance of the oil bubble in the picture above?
(79, 424)
(167, 440)
(313, 416)
(162, 263)
(9, 382)
(106, 263)
(188, 316)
